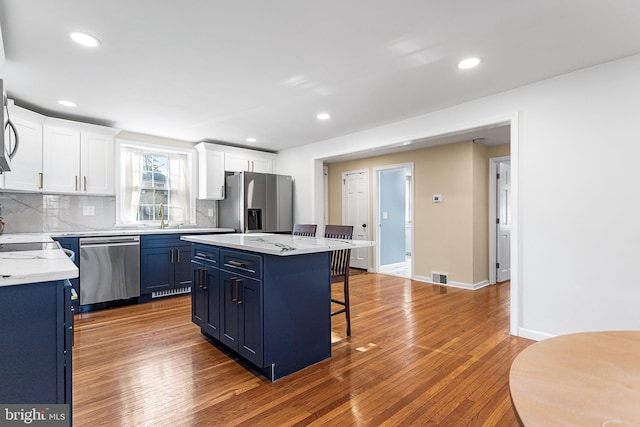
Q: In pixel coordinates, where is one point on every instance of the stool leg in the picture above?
(347, 310)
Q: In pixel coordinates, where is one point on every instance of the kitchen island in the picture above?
(266, 297)
(36, 322)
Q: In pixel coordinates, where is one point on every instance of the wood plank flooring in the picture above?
(419, 354)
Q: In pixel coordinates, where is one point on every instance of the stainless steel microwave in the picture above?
(9, 136)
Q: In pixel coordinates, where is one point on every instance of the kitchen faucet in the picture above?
(161, 213)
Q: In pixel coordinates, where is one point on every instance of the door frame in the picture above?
(376, 211)
(493, 214)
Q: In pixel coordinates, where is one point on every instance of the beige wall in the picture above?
(451, 236)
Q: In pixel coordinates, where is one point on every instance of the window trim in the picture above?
(155, 148)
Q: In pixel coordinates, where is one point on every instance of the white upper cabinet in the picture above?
(210, 172)
(61, 160)
(239, 160)
(26, 166)
(97, 163)
(214, 160)
(78, 159)
(61, 156)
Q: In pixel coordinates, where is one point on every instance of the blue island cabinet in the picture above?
(273, 311)
(36, 333)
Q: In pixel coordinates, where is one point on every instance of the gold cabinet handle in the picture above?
(76, 182)
(171, 251)
(238, 293)
(178, 255)
(85, 183)
(41, 180)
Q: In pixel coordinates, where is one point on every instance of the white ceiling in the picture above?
(227, 70)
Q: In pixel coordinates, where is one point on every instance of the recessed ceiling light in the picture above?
(468, 63)
(84, 39)
(67, 103)
(251, 140)
(323, 116)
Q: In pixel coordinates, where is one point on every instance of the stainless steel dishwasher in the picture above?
(109, 268)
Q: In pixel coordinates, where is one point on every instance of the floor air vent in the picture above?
(178, 291)
(440, 278)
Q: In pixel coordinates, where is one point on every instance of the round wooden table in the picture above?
(585, 379)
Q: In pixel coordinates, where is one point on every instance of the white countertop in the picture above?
(33, 266)
(277, 244)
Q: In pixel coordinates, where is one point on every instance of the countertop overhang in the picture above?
(18, 267)
(277, 244)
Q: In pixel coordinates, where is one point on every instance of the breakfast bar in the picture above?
(266, 297)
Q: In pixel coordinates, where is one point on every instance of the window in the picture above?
(155, 185)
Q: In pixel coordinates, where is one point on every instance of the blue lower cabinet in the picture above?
(36, 327)
(241, 319)
(164, 263)
(273, 311)
(205, 301)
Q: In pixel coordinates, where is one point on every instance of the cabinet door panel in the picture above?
(212, 279)
(182, 265)
(97, 162)
(156, 270)
(198, 295)
(229, 310)
(26, 166)
(211, 173)
(250, 321)
(61, 160)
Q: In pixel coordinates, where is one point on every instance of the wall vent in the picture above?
(178, 291)
(440, 278)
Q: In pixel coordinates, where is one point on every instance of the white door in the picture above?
(503, 228)
(355, 211)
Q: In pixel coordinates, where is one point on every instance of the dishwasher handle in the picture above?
(109, 241)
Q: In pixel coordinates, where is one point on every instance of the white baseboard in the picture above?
(467, 286)
(533, 335)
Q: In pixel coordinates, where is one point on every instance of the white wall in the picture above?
(576, 166)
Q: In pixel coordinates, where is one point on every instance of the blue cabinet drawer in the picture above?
(159, 240)
(205, 253)
(242, 263)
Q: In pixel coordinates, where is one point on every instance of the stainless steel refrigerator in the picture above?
(257, 203)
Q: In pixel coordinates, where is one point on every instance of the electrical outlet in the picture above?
(210, 212)
(88, 210)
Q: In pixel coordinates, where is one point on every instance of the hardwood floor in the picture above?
(419, 354)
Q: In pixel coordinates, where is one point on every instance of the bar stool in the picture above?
(304, 230)
(340, 268)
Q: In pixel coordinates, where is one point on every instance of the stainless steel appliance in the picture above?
(109, 268)
(6, 152)
(257, 202)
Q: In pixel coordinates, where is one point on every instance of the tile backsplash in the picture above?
(36, 213)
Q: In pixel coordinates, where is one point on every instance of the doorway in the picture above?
(500, 219)
(394, 219)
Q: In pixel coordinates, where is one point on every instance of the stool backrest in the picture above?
(339, 259)
(304, 230)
